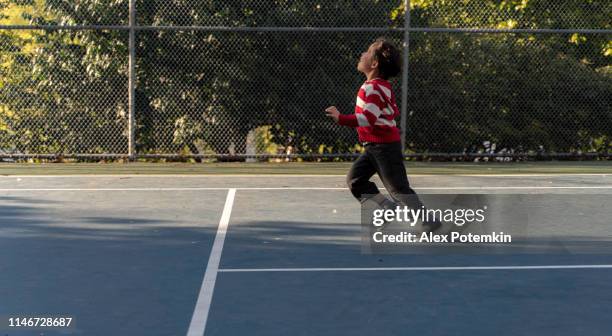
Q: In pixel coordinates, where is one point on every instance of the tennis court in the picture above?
(178, 167)
(277, 255)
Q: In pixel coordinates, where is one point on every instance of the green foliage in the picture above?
(520, 91)
(510, 90)
(203, 92)
(63, 91)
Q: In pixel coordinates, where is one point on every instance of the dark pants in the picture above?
(387, 161)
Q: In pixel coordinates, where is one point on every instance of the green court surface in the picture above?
(336, 168)
(283, 255)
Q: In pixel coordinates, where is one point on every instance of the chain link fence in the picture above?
(250, 79)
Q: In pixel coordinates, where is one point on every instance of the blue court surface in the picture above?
(282, 255)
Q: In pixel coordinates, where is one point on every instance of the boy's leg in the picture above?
(389, 163)
(364, 190)
(358, 177)
(358, 181)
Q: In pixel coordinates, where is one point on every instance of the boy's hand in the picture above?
(333, 113)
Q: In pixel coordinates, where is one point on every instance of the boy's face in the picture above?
(367, 63)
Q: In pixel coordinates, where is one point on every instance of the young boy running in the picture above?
(374, 119)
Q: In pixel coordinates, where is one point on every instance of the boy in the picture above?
(374, 119)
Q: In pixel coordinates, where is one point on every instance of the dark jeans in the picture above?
(387, 161)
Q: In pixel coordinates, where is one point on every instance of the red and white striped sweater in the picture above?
(375, 113)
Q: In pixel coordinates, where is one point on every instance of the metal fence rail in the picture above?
(160, 79)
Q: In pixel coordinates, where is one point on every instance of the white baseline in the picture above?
(301, 188)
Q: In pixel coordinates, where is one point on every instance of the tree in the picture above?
(521, 91)
(238, 81)
(205, 90)
(63, 91)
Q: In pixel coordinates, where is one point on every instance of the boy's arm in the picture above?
(342, 119)
(349, 120)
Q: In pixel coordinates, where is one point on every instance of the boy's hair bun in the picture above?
(389, 59)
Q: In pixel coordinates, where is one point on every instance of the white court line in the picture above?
(371, 269)
(304, 175)
(434, 188)
(299, 188)
(193, 175)
(202, 307)
(114, 189)
(522, 175)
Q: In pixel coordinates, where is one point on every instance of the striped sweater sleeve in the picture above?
(349, 120)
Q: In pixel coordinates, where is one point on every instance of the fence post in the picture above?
(131, 82)
(406, 51)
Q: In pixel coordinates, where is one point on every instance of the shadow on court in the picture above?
(116, 275)
(132, 262)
